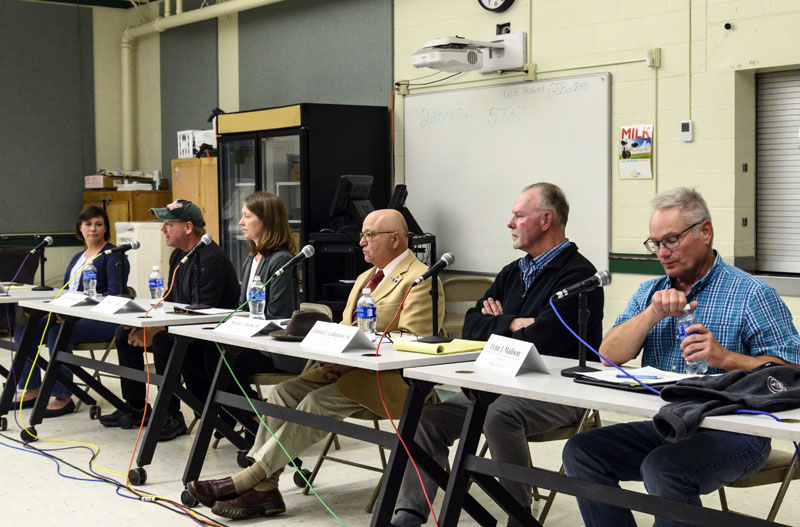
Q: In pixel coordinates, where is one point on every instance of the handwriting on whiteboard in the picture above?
(443, 113)
(554, 89)
(499, 115)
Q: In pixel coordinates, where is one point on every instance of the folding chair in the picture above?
(781, 467)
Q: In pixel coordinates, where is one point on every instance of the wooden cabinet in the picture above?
(196, 180)
(127, 205)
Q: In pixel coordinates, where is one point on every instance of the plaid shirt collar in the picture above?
(704, 281)
(531, 266)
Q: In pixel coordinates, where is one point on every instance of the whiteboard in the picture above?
(469, 153)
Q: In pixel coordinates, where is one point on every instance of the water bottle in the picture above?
(258, 298)
(89, 277)
(156, 283)
(697, 366)
(367, 313)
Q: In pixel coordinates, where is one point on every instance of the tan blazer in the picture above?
(361, 386)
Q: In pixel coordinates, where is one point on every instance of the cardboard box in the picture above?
(295, 171)
(101, 182)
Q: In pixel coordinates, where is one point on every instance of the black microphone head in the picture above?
(604, 277)
(48, 240)
(307, 251)
(135, 245)
(206, 239)
(448, 258)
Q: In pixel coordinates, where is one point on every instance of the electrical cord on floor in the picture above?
(96, 450)
(98, 478)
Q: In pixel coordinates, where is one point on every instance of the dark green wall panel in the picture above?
(47, 139)
(316, 51)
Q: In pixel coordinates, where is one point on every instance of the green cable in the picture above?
(261, 420)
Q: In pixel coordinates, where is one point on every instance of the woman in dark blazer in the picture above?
(91, 228)
(265, 225)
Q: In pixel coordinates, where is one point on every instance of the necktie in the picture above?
(376, 279)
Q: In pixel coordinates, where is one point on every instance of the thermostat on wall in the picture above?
(687, 129)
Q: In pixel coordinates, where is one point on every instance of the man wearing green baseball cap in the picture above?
(209, 278)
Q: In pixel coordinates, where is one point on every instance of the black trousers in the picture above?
(196, 375)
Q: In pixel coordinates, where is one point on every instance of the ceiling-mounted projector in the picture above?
(457, 54)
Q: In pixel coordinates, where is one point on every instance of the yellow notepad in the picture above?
(455, 346)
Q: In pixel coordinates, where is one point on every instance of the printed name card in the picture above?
(510, 356)
(117, 304)
(247, 327)
(73, 300)
(336, 338)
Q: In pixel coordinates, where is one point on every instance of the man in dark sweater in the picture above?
(516, 306)
(208, 277)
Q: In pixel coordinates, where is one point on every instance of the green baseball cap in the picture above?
(180, 210)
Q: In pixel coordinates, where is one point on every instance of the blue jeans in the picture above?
(680, 471)
(84, 330)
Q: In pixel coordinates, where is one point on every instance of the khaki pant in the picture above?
(311, 397)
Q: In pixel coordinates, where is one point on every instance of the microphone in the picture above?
(599, 279)
(48, 240)
(124, 247)
(447, 259)
(205, 240)
(305, 252)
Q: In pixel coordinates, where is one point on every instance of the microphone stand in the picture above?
(196, 305)
(42, 260)
(123, 286)
(435, 338)
(583, 322)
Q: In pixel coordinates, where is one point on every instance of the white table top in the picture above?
(167, 318)
(558, 389)
(15, 294)
(389, 359)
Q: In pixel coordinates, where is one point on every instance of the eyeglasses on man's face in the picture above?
(369, 235)
(670, 242)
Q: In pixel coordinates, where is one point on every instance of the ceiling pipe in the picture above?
(178, 7)
(158, 25)
(167, 8)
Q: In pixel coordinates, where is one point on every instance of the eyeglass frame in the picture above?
(678, 237)
(369, 235)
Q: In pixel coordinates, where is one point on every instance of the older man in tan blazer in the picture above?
(333, 390)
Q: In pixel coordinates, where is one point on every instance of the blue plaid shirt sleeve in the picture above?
(768, 327)
(639, 301)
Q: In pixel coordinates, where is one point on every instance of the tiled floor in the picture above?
(32, 493)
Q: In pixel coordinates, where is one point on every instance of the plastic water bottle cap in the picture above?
(156, 268)
(366, 291)
(687, 307)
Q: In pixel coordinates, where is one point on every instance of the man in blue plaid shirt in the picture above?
(742, 323)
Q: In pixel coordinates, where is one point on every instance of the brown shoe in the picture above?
(210, 491)
(250, 504)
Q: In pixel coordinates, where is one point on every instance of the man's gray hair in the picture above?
(691, 204)
(552, 198)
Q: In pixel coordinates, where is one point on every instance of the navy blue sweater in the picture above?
(547, 332)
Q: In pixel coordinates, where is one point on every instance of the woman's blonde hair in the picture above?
(276, 233)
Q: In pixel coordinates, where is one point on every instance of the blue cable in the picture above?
(760, 412)
(588, 346)
(58, 465)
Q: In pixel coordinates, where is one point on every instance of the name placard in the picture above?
(337, 338)
(248, 327)
(73, 299)
(117, 304)
(510, 356)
